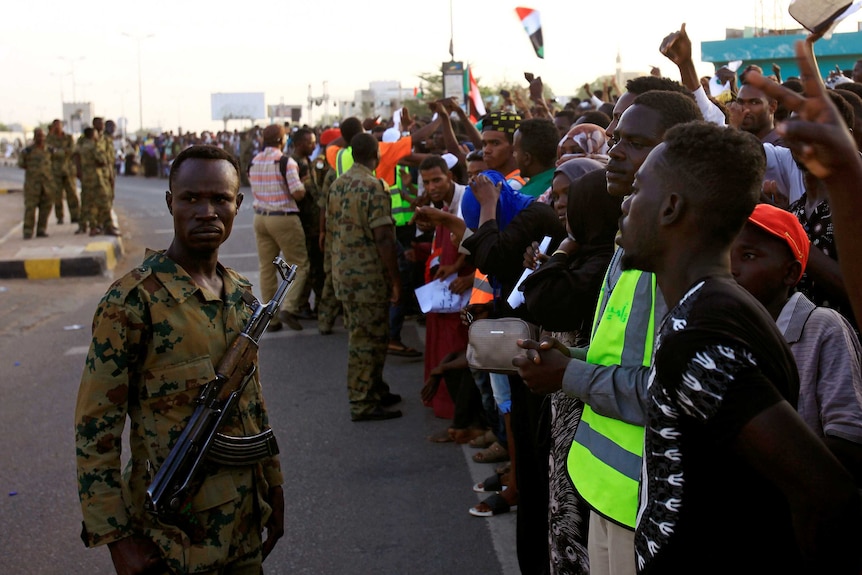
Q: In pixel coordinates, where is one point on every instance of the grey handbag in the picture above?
(493, 343)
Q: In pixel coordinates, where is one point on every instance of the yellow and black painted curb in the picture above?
(96, 259)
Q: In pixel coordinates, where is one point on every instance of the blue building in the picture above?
(840, 50)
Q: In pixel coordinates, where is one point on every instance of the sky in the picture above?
(88, 49)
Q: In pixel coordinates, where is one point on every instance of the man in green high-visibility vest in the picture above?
(605, 458)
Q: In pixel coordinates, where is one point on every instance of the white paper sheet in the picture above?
(516, 298)
(437, 298)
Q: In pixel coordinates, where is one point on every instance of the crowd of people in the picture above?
(694, 403)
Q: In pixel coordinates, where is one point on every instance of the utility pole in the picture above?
(71, 62)
(139, 39)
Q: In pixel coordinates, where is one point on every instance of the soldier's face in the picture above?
(38, 137)
(204, 200)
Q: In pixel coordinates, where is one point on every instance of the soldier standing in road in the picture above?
(365, 276)
(328, 307)
(62, 147)
(38, 185)
(304, 143)
(158, 334)
(105, 140)
(94, 184)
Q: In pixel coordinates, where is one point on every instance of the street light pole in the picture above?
(71, 62)
(139, 39)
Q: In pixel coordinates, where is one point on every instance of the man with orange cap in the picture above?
(767, 259)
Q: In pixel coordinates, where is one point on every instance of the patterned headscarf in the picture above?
(501, 122)
(591, 139)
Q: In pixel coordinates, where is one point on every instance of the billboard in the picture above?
(285, 111)
(77, 116)
(238, 105)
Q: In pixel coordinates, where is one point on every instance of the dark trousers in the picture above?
(530, 427)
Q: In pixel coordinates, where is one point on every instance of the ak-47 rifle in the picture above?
(177, 480)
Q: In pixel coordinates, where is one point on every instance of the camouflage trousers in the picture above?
(368, 337)
(95, 205)
(247, 565)
(314, 282)
(38, 196)
(328, 306)
(65, 188)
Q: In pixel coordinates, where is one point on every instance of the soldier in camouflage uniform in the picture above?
(38, 185)
(158, 334)
(105, 139)
(304, 143)
(95, 185)
(328, 307)
(62, 147)
(365, 276)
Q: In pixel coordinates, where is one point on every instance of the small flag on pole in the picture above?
(533, 26)
(474, 97)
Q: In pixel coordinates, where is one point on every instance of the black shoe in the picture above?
(390, 399)
(274, 326)
(28, 236)
(112, 231)
(41, 235)
(290, 319)
(325, 330)
(306, 313)
(378, 414)
(60, 221)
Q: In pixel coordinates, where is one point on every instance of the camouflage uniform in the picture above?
(328, 306)
(62, 148)
(106, 142)
(156, 340)
(358, 202)
(95, 186)
(38, 188)
(309, 214)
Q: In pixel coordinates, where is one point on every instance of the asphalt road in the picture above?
(361, 498)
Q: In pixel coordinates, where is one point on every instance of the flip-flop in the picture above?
(403, 351)
(494, 454)
(493, 484)
(496, 506)
(442, 436)
(484, 440)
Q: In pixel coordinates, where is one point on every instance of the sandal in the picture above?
(465, 435)
(398, 348)
(484, 440)
(442, 436)
(495, 505)
(493, 484)
(493, 454)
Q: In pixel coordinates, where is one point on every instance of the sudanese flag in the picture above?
(533, 26)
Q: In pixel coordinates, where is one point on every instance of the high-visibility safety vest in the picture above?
(604, 460)
(343, 160)
(482, 290)
(401, 209)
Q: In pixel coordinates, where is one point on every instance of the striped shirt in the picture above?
(270, 191)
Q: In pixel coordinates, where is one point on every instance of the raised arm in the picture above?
(822, 142)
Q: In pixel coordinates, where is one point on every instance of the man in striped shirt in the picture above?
(276, 187)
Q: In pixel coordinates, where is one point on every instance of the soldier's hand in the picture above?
(136, 555)
(275, 524)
